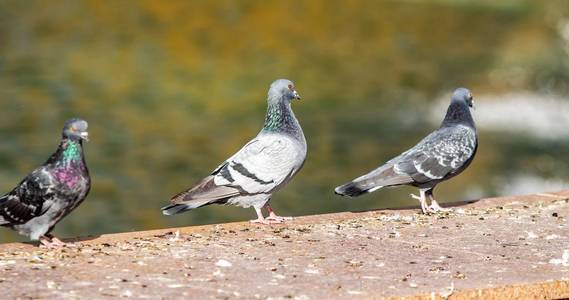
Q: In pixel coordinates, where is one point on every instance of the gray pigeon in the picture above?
(51, 191)
(441, 155)
(262, 167)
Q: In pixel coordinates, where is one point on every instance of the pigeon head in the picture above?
(458, 111)
(76, 129)
(283, 89)
(463, 95)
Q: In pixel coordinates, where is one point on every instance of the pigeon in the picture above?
(50, 192)
(441, 155)
(262, 167)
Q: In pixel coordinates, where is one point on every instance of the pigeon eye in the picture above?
(290, 86)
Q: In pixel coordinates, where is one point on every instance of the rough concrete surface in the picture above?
(506, 248)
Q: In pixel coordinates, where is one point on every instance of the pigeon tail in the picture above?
(173, 209)
(176, 208)
(354, 189)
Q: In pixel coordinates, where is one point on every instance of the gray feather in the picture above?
(441, 155)
(261, 167)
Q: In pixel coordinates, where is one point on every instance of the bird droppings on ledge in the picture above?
(502, 246)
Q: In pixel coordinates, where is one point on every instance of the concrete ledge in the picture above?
(509, 247)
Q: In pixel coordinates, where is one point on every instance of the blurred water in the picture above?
(173, 88)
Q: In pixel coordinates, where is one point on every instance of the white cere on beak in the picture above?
(85, 135)
(296, 95)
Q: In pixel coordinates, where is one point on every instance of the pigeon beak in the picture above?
(296, 95)
(84, 135)
(473, 106)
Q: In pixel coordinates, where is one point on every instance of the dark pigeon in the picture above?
(441, 155)
(261, 168)
(51, 191)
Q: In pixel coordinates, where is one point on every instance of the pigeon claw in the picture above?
(265, 221)
(424, 207)
(279, 219)
(416, 197)
(48, 241)
(435, 207)
(273, 216)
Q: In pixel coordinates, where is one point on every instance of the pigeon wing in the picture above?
(30, 199)
(261, 166)
(438, 155)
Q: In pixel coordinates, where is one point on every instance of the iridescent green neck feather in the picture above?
(72, 152)
(281, 119)
(276, 117)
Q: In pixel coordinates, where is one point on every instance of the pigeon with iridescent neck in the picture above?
(261, 168)
(441, 155)
(50, 192)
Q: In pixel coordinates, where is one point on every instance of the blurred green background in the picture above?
(172, 88)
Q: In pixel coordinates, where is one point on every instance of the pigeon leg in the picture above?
(58, 242)
(423, 200)
(272, 216)
(435, 207)
(262, 220)
(45, 242)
